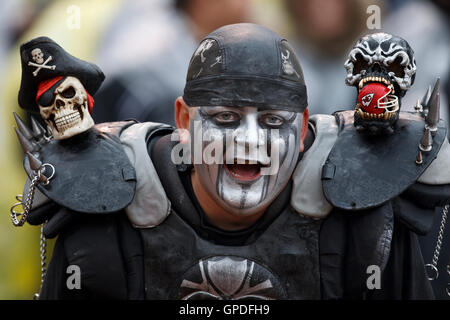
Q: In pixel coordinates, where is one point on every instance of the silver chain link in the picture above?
(26, 205)
(43, 251)
(30, 195)
(437, 250)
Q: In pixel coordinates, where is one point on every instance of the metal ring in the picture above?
(14, 206)
(433, 268)
(16, 217)
(42, 170)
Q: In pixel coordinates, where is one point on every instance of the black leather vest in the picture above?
(282, 263)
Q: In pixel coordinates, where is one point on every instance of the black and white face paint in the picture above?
(244, 156)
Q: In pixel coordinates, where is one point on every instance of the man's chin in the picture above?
(236, 208)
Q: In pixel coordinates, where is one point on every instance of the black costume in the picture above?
(117, 260)
(309, 244)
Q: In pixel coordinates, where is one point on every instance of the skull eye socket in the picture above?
(397, 68)
(68, 93)
(360, 64)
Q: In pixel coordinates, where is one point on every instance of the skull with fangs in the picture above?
(382, 67)
(68, 115)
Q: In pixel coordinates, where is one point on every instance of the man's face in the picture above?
(247, 155)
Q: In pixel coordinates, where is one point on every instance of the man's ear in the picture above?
(304, 129)
(182, 119)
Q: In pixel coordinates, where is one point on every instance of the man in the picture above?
(232, 206)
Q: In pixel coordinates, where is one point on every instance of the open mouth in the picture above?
(376, 99)
(366, 80)
(373, 116)
(244, 172)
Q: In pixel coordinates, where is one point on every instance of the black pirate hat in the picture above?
(43, 59)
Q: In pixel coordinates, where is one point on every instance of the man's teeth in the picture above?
(376, 79)
(64, 122)
(373, 116)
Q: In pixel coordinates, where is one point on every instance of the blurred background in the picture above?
(144, 47)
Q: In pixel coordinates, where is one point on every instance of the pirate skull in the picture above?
(382, 67)
(37, 56)
(68, 115)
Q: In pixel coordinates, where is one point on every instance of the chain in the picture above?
(26, 205)
(43, 252)
(30, 195)
(437, 250)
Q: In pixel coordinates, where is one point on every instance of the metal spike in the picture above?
(419, 159)
(23, 127)
(27, 145)
(433, 116)
(426, 98)
(432, 106)
(418, 107)
(35, 163)
(435, 89)
(38, 130)
(426, 142)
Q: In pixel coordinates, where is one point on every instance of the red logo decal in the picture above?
(367, 99)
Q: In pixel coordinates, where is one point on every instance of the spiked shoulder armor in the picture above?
(375, 169)
(89, 172)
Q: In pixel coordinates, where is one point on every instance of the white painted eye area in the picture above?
(272, 120)
(227, 117)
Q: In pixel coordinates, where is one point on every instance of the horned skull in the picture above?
(68, 115)
(382, 67)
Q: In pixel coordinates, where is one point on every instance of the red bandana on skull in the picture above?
(47, 84)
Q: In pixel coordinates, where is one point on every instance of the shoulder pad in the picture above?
(150, 205)
(365, 171)
(307, 195)
(92, 171)
(438, 172)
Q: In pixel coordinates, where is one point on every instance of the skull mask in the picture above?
(382, 67)
(68, 114)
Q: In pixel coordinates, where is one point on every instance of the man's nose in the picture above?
(250, 133)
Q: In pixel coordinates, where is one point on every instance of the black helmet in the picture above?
(245, 65)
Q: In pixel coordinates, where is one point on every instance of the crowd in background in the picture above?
(144, 47)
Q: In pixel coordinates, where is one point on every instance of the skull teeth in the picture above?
(376, 79)
(372, 116)
(66, 121)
